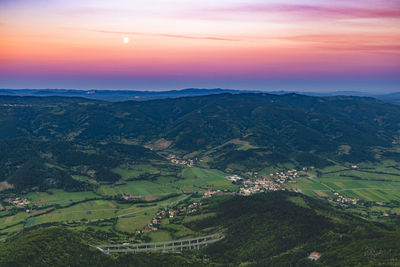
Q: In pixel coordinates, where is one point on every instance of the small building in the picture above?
(314, 256)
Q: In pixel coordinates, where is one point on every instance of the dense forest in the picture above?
(29, 163)
(232, 131)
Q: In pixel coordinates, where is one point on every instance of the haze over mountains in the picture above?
(123, 95)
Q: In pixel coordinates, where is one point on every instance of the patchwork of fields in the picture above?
(99, 205)
(366, 182)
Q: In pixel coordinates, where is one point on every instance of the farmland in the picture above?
(104, 202)
(152, 187)
(376, 186)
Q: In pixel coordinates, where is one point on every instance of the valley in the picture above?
(128, 205)
(116, 173)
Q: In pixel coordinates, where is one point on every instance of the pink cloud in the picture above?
(343, 42)
(312, 11)
(213, 38)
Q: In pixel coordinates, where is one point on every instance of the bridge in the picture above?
(176, 245)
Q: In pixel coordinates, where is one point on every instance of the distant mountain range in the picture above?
(124, 95)
(119, 95)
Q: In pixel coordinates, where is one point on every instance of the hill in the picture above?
(268, 129)
(37, 164)
(224, 131)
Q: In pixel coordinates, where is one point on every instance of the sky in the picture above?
(308, 45)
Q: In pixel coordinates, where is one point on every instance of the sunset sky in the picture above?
(173, 44)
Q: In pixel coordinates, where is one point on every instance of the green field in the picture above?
(91, 210)
(368, 182)
(139, 188)
(374, 183)
(159, 236)
(130, 216)
(135, 222)
(60, 197)
(202, 177)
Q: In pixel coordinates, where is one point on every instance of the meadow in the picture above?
(206, 177)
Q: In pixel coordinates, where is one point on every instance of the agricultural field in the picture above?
(90, 210)
(130, 216)
(58, 206)
(367, 182)
(135, 222)
(159, 236)
(59, 197)
(206, 177)
(140, 188)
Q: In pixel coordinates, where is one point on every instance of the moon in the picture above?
(126, 40)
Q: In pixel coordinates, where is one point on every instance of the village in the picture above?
(181, 210)
(18, 202)
(345, 200)
(260, 185)
(274, 182)
(173, 159)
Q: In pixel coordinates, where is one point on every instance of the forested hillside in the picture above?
(227, 131)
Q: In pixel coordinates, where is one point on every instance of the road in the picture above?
(190, 243)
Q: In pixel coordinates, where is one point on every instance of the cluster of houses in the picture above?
(175, 160)
(171, 213)
(153, 224)
(210, 193)
(18, 202)
(344, 200)
(285, 176)
(252, 174)
(185, 210)
(273, 183)
(258, 186)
